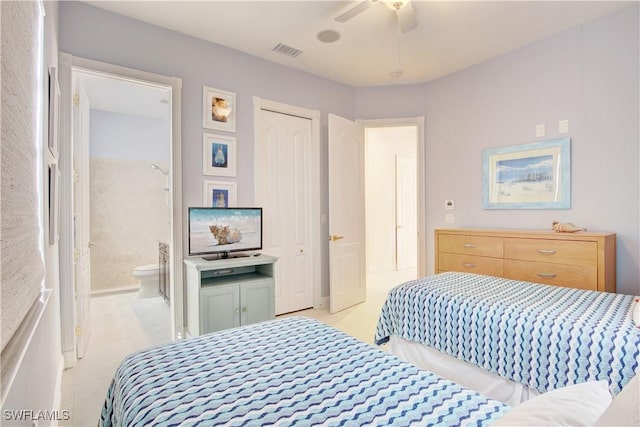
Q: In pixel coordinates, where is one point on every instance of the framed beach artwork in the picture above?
(54, 106)
(219, 194)
(218, 109)
(529, 176)
(219, 155)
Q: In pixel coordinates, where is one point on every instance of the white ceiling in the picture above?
(451, 35)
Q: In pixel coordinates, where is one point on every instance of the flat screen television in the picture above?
(218, 233)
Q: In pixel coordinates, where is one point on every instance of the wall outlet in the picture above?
(540, 130)
(449, 218)
(449, 204)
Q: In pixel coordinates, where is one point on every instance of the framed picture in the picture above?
(529, 176)
(218, 109)
(218, 155)
(219, 194)
(54, 203)
(54, 103)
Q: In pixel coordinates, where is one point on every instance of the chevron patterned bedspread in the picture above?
(542, 336)
(293, 371)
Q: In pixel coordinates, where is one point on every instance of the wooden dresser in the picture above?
(581, 260)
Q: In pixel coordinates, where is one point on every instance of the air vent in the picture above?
(287, 50)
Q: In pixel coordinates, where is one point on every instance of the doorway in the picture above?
(391, 207)
(78, 77)
(394, 197)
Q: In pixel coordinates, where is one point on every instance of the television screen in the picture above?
(218, 231)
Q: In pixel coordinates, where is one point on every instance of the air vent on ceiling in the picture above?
(287, 50)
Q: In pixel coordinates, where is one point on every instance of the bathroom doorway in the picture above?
(121, 225)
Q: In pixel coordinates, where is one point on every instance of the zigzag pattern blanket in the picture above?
(542, 336)
(294, 371)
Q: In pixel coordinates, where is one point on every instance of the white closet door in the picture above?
(283, 189)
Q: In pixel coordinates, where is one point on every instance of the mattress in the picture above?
(542, 336)
(291, 371)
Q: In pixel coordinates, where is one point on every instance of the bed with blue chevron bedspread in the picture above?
(542, 336)
(292, 371)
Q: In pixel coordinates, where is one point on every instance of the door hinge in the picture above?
(78, 330)
(76, 99)
(76, 176)
(76, 254)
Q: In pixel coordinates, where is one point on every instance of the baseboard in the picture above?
(324, 303)
(57, 396)
(69, 359)
(114, 291)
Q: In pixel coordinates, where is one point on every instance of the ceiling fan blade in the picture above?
(360, 7)
(407, 18)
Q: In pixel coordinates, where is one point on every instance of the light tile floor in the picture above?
(122, 324)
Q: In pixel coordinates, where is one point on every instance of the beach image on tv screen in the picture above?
(224, 230)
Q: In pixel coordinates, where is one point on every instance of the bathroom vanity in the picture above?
(228, 293)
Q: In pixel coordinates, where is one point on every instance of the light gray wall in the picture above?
(587, 75)
(124, 136)
(92, 33)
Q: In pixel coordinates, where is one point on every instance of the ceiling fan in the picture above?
(403, 8)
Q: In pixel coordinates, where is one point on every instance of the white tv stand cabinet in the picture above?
(226, 293)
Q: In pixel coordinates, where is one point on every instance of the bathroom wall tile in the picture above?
(129, 215)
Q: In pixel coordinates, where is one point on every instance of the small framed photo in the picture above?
(54, 104)
(218, 155)
(219, 194)
(218, 109)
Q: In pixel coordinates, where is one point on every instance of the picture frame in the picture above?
(54, 203)
(219, 194)
(218, 155)
(54, 106)
(528, 176)
(218, 109)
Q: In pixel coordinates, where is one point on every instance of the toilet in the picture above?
(148, 277)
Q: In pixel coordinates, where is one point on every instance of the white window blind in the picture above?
(21, 265)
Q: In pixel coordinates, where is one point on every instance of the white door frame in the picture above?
(67, 63)
(422, 184)
(314, 116)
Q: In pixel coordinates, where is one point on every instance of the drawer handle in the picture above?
(469, 265)
(469, 245)
(547, 251)
(547, 275)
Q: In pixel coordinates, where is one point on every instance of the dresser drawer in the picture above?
(471, 245)
(568, 275)
(551, 251)
(470, 264)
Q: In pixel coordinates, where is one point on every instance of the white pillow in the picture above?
(574, 405)
(625, 408)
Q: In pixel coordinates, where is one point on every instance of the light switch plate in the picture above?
(540, 130)
(563, 126)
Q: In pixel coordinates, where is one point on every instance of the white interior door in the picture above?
(82, 230)
(283, 189)
(346, 214)
(406, 213)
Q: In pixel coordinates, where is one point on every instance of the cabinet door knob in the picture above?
(237, 310)
(469, 245)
